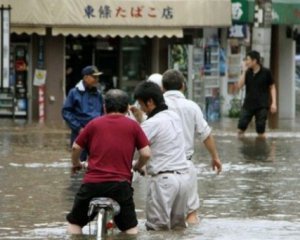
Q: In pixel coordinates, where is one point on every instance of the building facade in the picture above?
(127, 40)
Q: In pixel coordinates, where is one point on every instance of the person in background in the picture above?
(83, 103)
(260, 94)
(194, 125)
(111, 141)
(168, 186)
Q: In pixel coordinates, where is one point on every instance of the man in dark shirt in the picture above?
(260, 94)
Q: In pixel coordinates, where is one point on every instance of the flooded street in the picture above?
(255, 197)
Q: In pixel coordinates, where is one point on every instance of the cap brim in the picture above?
(97, 74)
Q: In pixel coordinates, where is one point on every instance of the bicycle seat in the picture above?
(104, 203)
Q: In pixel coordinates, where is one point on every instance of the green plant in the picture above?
(235, 107)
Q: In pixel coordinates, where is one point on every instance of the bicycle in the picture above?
(104, 209)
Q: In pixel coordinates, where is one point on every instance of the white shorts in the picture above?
(167, 201)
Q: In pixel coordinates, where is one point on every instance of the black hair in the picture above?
(172, 80)
(146, 90)
(254, 55)
(116, 100)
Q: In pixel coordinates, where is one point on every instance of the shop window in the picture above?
(136, 62)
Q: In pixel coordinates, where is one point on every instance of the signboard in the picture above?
(287, 12)
(263, 13)
(116, 13)
(39, 77)
(237, 31)
(240, 12)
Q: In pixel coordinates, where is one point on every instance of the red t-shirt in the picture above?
(111, 141)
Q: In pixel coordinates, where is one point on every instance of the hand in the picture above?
(273, 108)
(244, 66)
(217, 165)
(76, 168)
(139, 170)
(137, 113)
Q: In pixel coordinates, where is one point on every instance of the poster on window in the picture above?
(39, 77)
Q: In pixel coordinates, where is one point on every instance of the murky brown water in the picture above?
(256, 196)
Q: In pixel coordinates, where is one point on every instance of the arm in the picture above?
(76, 164)
(241, 82)
(68, 113)
(138, 114)
(144, 155)
(273, 107)
(242, 78)
(211, 147)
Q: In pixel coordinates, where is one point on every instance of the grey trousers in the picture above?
(167, 199)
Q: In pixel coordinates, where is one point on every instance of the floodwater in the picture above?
(255, 197)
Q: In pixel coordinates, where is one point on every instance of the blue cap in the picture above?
(90, 70)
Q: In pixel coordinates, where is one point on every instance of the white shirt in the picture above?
(165, 134)
(191, 116)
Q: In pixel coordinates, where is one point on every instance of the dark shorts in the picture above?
(261, 116)
(121, 192)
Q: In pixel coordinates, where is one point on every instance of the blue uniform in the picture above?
(81, 106)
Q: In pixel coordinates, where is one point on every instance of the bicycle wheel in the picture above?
(101, 224)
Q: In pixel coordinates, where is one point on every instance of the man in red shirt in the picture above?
(111, 141)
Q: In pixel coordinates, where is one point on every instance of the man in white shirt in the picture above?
(167, 192)
(194, 124)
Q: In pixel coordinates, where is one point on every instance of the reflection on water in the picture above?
(256, 196)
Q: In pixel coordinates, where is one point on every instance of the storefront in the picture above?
(276, 44)
(127, 40)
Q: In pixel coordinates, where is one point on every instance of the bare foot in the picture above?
(261, 136)
(192, 218)
(241, 134)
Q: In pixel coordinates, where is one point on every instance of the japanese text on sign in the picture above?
(107, 12)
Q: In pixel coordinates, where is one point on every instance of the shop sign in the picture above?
(240, 11)
(237, 31)
(116, 13)
(286, 12)
(263, 13)
(125, 12)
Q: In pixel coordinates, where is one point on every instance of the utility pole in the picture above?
(261, 37)
(261, 41)
(4, 46)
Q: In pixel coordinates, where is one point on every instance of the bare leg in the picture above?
(74, 229)
(132, 231)
(192, 218)
(261, 135)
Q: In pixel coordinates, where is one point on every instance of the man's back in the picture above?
(191, 117)
(164, 131)
(111, 141)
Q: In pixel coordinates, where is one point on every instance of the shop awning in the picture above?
(120, 15)
(28, 30)
(121, 32)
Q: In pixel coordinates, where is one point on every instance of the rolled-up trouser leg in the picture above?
(245, 119)
(261, 116)
(193, 199)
